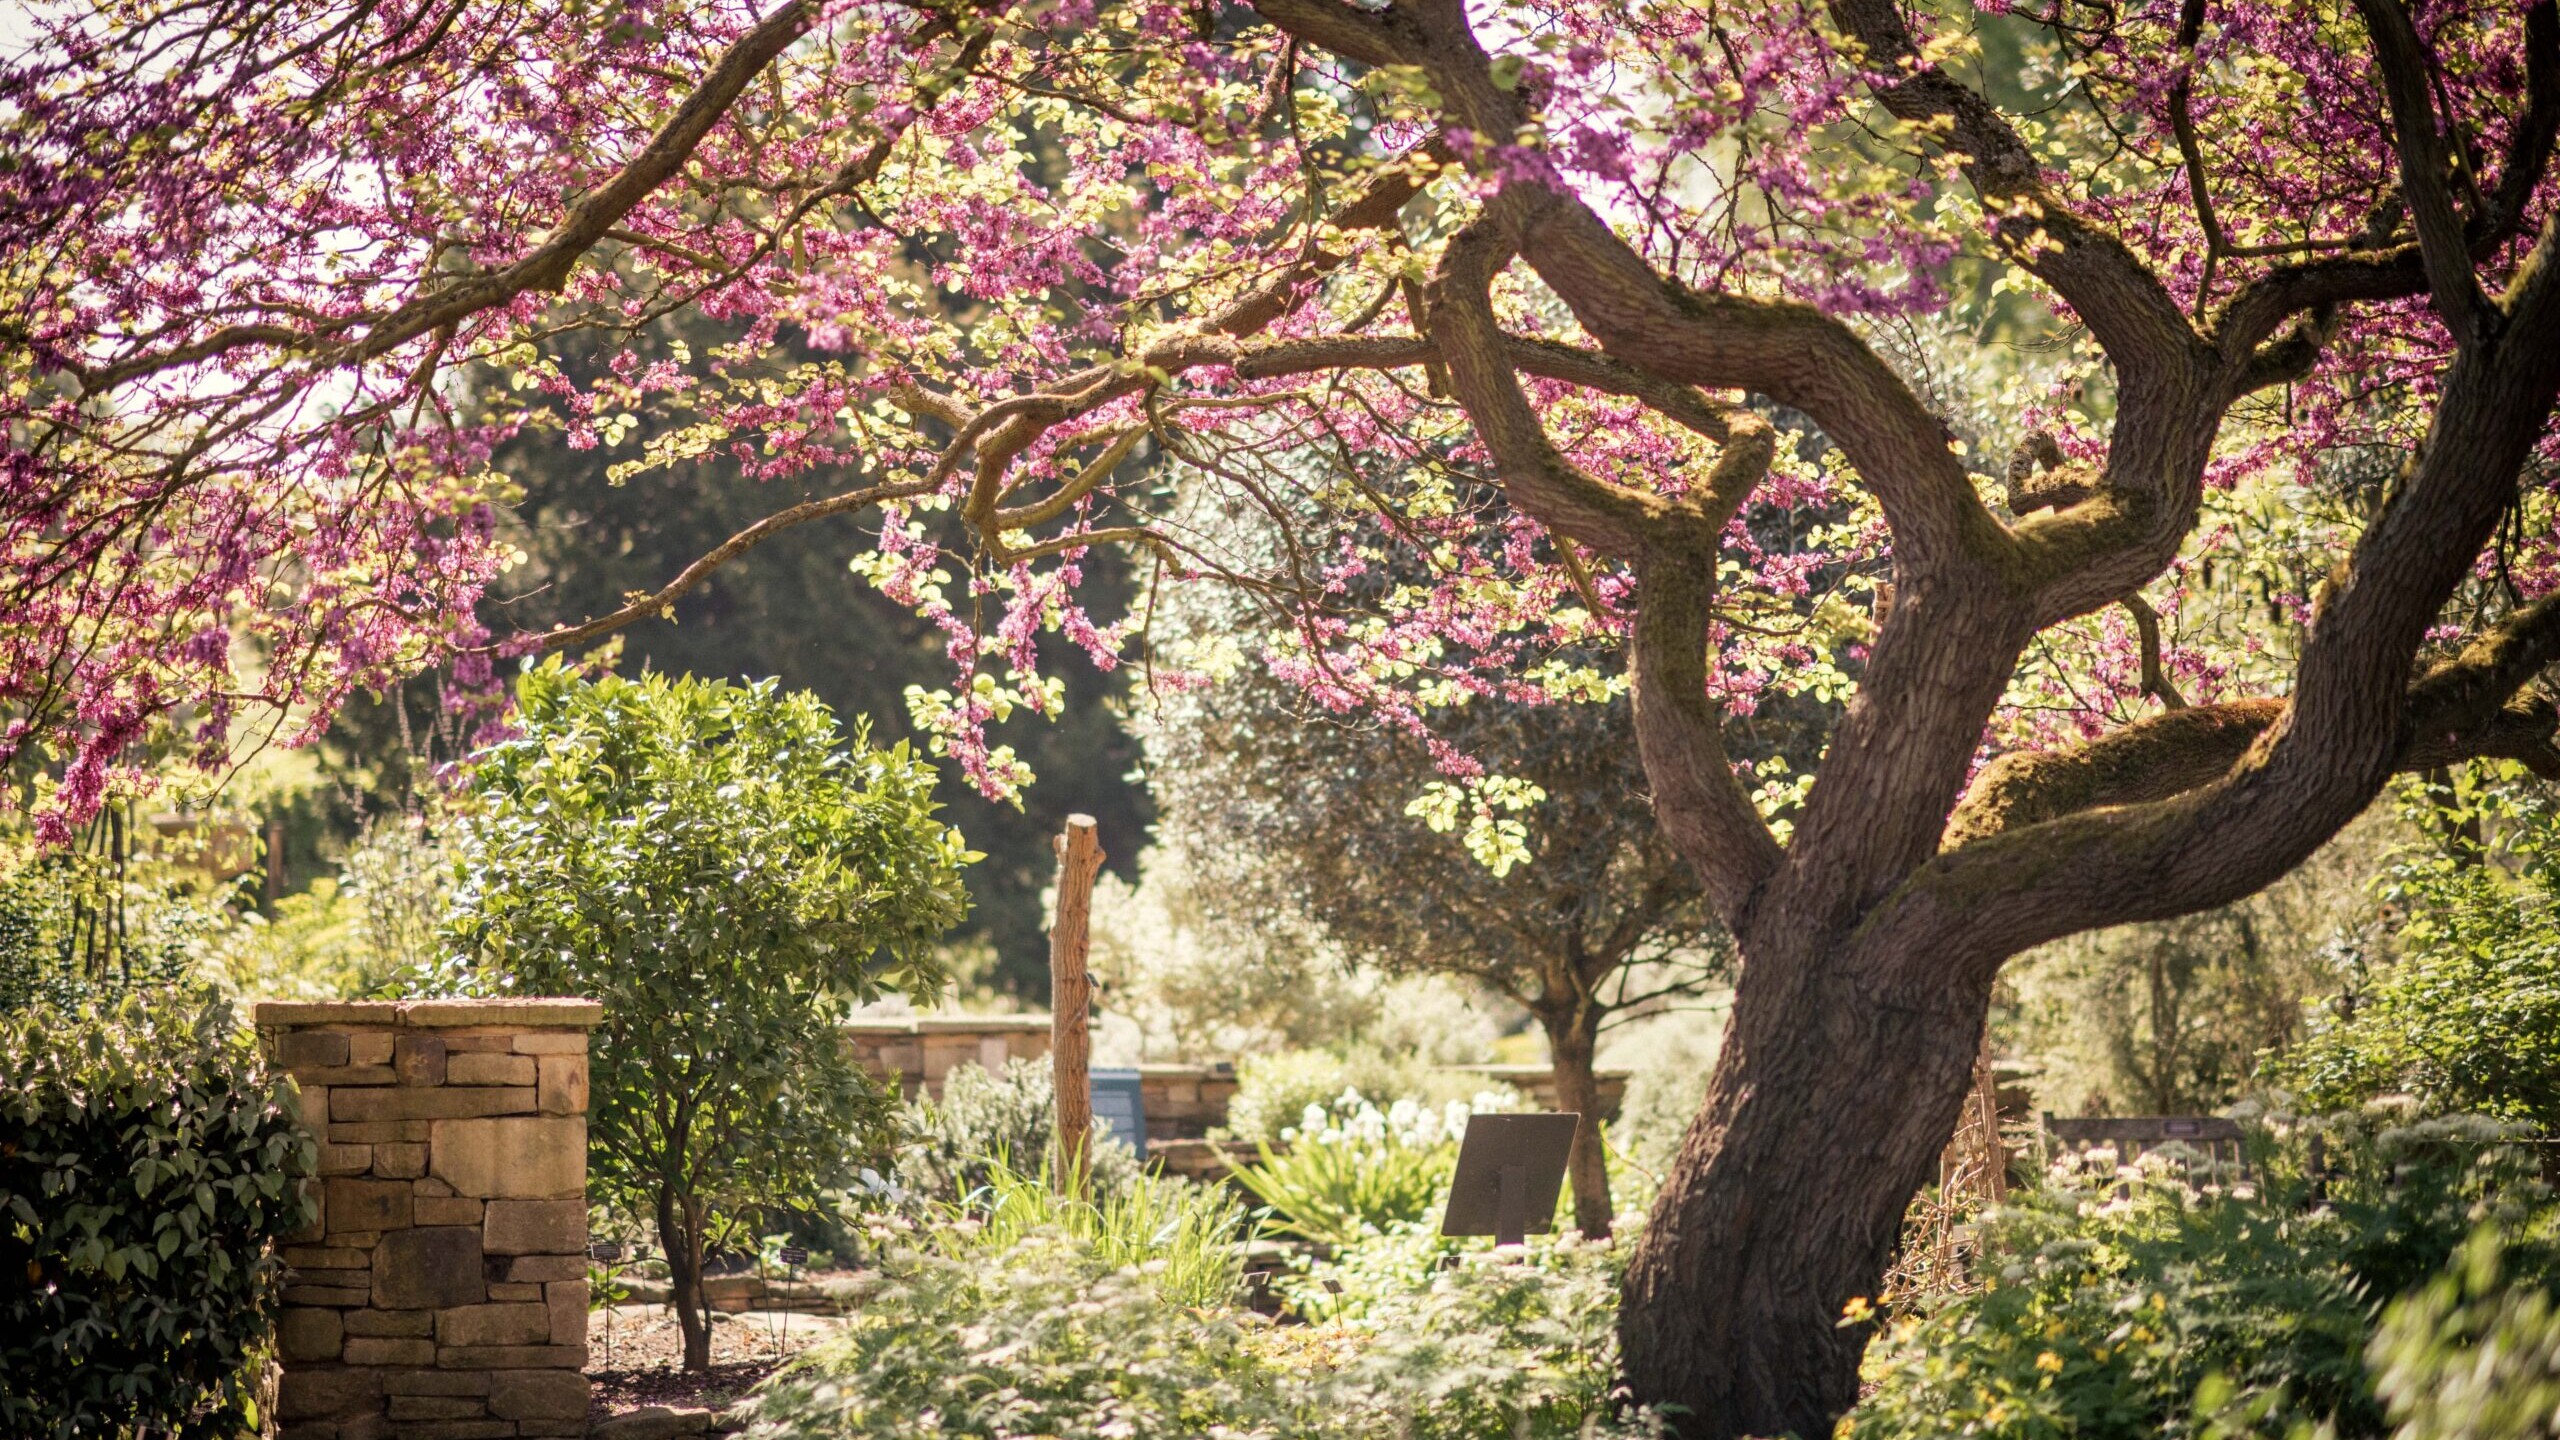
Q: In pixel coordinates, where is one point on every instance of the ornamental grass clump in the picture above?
(1181, 1237)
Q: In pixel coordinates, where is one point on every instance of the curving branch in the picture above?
(1551, 489)
(657, 602)
(1790, 352)
(545, 267)
(2426, 165)
(2133, 836)
(2106, 284)
(2467, 707)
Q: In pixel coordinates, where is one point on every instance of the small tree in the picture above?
(715, 867)
(1349, 834)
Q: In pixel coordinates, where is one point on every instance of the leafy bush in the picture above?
(2472, 1355)
(1042, 1336)
(2467, 1018)
(147, 1163)
(1352, 1170)
(2135, 1305)
(1036, 1339)
(711, 865)
(1515, 1343)
(1275, 1091)
(984, 1122)
(79, 927)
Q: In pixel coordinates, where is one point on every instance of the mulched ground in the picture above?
(637, 1360)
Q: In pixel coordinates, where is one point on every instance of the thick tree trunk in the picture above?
(1835, 1092)
(680, 1235)
(1573, 1042)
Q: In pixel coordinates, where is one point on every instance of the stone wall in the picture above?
(442, 1294)
(918, 1050)
(1185, 1102)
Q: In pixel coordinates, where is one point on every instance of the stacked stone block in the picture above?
(916, 1052)
(442, 1294)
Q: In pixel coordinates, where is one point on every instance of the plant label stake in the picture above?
(1070, 997)
(1510, 1170)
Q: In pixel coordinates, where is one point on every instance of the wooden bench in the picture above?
(2216, 1139)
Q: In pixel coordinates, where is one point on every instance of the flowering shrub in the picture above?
(2127, 1302)
(1351, 1170)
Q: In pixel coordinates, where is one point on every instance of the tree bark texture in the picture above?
(1830, 1106)
(680, 1235)
(1573, 1043)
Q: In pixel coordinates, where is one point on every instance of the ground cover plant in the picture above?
(729, 874)
(1090, 1329)
(2129, 1302)
(1614, 322)
(148, 1167)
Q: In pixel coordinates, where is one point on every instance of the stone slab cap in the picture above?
(538, 1012)
(950, 1025)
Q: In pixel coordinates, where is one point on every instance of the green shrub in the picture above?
(2128, 1304)
(718, 868)
(147, 1164)
(984, 1122)
(2474, 1354)
(2467, 1016)
(1519, 1343)
(1043, 1336)
(1036, 1339)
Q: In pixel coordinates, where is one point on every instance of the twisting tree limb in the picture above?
(2444, 247)
(1672, 546)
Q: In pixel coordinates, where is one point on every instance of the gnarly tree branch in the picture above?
(1697, 798)
(2379, 267)
(1554, 491)
(2155, 673)
(2463, 708)
(2124, 303)
(1790, 352)
(2352, 718)
(691, 577)
(2444, 248)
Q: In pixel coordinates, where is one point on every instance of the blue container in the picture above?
(1120, 1107)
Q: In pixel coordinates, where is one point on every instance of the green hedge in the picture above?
(148, 1165)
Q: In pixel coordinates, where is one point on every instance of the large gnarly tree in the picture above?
(1324, 254)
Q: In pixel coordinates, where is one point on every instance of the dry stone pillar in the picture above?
(443, 1293)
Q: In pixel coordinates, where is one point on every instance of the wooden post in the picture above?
(1071, 995)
